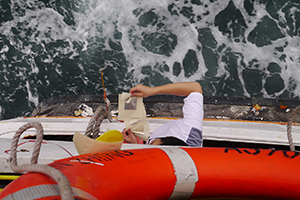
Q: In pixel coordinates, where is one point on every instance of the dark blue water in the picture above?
(245, 48)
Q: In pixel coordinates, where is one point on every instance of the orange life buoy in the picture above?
(170, 173)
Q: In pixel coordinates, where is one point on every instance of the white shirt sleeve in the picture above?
(193, 110)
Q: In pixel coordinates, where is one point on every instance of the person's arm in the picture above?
(179, 89)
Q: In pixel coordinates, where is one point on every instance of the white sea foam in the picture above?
(32, 97)
(102, 18)
(49, 34)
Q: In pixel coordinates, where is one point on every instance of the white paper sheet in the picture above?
(132, 112)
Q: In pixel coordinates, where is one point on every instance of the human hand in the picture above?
(129, 136)
(141, 91)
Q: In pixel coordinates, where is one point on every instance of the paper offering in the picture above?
(132, 112)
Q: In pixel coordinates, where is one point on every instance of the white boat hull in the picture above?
(271, 133)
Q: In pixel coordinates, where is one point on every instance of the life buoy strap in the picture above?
(42, 191)
(185, 171)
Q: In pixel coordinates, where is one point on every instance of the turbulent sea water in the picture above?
(245, 48)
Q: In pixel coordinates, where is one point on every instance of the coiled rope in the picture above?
(63, 183)
(289, 128)
(93, 128)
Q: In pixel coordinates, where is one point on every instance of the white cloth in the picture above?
(187, 129)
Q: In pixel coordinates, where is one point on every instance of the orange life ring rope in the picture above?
(170, 173)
